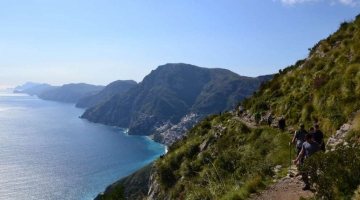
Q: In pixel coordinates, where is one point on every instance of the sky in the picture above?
(100, 41)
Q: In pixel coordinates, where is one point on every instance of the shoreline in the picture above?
(151, 137)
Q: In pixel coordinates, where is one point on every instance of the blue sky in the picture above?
(97, 42)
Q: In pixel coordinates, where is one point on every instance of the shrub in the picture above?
(342, 60)
(320, 80)
(192, 150)
(338, 172)
(116, 194)
(260, 105)
(166, 175)
(352, 71)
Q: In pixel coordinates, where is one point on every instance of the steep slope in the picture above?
(324, 88)
(169, 93)
(135, 186)
(70, 93)
(116, 87)
(221, 158)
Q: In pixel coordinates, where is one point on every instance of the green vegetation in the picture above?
(116, 194)
(169, 93)
(338, 174)
(114, 88)
(134, 186)
(324, 88)
(221, 158)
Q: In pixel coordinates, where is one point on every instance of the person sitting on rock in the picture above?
(308, 148)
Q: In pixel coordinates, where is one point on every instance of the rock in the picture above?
(204, 145)
(338, 137)
(345, 127)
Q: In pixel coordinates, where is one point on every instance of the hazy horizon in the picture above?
(98, 42)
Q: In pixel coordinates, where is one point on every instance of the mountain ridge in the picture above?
(116, 87)
(169, 93)
(69, 93)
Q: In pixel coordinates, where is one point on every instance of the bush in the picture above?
(116, 194)
(192, 150)
(166, 175)
(338, 172)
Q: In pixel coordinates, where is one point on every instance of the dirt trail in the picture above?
(287, 188)
(246, 121)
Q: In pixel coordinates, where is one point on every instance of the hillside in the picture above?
(323, 88)
(70, 93)
(171, 92)
(221, 158)
(36, 89)
(116, 87)
(25, 86)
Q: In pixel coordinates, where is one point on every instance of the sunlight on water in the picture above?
(47, 152)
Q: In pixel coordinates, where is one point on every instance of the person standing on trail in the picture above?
(269, 119)
(257, 117)
(319, 137)
(281, 124)
(308, 148)
(241, 110)
(299, 137)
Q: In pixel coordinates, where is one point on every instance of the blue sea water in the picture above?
(47, 152)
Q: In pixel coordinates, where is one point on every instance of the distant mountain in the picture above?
(171, 92)
(27, 85)
(70, 93)
(116, 87)
(36, 90)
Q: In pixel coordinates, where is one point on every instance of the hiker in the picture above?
(281, 124)
(308, 148)
(241, 110)
(311, 130)
(257, 117)
(299, 136)
(269, 119)
(319, 137)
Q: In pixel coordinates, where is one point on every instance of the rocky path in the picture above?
(287, 188)
(246, 121)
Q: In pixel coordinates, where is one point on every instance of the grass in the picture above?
(234, 165)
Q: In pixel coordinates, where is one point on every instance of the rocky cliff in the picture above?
(36, 89)
(114, 88)
(171, 92)
(70, 93)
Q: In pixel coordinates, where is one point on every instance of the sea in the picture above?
(48, 152)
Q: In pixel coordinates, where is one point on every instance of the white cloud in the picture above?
(331, 2)
(293, 2)
(350, 2)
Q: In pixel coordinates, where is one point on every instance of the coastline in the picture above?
(151, 137)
